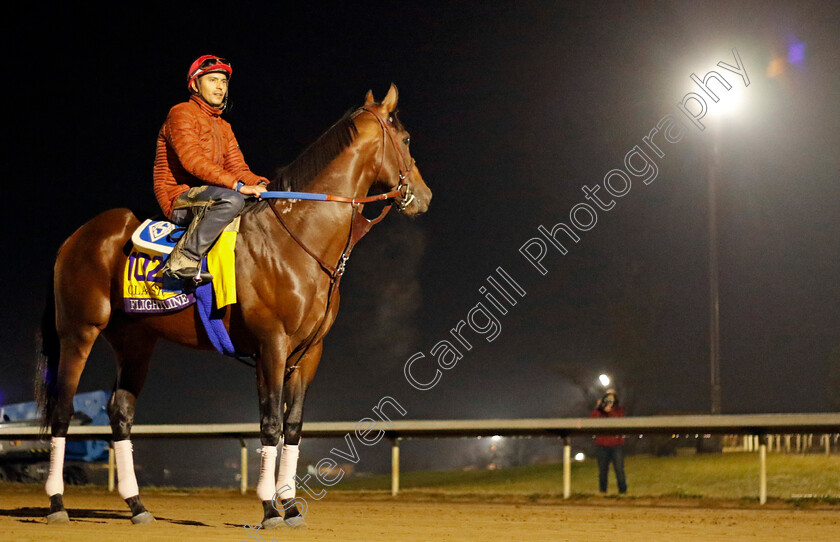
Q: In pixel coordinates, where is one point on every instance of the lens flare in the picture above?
(796, 53)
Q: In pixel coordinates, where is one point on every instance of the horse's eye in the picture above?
(390, 119)
(407, 140)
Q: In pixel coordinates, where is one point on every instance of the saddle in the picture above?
(146, 290)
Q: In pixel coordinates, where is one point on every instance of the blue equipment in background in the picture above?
(23, 461)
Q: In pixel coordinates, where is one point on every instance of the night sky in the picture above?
(512, 109)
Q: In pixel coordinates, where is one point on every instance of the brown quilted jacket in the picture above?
(195, 147)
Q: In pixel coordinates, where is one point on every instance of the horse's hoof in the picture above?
(296, 522)
(58, 518)
(143, 518)
(273, 523)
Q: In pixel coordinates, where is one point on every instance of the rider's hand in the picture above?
(252, 190)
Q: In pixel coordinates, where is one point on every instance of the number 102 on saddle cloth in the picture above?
(146, 290)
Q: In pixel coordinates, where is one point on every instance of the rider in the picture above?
(201, 178)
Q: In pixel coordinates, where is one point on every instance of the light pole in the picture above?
(727, 100)
(730, 105)
(714, 277)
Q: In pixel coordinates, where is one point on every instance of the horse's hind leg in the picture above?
(133, 346)
(76, 343)
(78, 308)
(79, 317)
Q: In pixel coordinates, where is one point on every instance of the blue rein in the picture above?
(293, 195)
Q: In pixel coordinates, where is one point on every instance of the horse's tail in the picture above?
(48, 349)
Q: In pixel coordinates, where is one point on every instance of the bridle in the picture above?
(403, 190)
(359, 225)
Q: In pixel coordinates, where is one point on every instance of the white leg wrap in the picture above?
(287, 470)
(265, 486)
(126, 481)
(55, 480)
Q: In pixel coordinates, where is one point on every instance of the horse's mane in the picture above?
(297, 175)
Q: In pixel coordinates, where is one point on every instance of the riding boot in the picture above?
(181, 266)
(213, 209)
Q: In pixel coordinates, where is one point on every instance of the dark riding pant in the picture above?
(614, 455)
(207, 210)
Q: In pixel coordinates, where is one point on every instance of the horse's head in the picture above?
(396, 169)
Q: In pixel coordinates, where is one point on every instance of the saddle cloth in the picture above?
(146, 290)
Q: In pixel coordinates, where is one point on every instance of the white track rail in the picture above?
(759, 425)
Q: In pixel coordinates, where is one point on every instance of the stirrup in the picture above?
(190, 274)
(185, 268)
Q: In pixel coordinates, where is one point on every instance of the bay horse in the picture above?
(290, 255)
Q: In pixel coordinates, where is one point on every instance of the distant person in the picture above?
(609, 449)
(201, 178)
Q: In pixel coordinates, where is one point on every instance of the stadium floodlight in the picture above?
(604, 379)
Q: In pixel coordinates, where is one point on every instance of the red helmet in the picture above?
(206, 64)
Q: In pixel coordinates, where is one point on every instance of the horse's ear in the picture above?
(369, 98)
(390, 101)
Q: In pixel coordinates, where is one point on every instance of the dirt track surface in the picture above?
(221, 515)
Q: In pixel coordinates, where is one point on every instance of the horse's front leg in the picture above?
(271, 367)
(295, 392)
